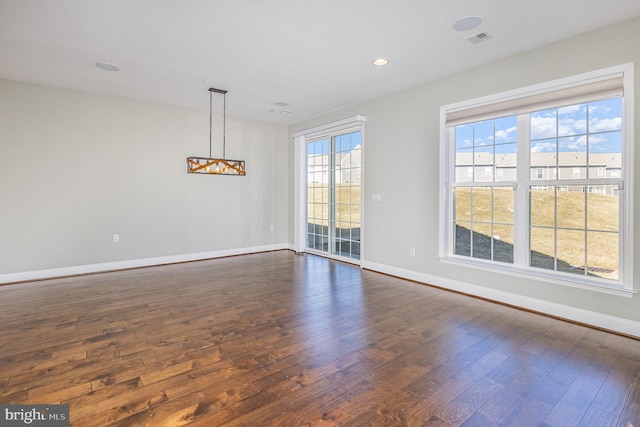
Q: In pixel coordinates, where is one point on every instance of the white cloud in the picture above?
(571, 109)
(502, 135)
(602, 144)
(596, 139)
(543, 127)
(600, 109)
(600, 125)
(573, 144)
(572, 127)
(543, 147)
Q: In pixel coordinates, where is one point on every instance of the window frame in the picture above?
(624, 285)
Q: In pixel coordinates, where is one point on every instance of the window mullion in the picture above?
(332, 196)
(522, 201)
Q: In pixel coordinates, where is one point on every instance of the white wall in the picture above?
(76, 168)
(405, 126)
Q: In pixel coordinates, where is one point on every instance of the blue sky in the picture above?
(483, 135)
(344, 143)
(562, 129)
(603, 120)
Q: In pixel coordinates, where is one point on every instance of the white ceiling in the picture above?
(313, 54)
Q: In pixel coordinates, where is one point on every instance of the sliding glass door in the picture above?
(334, 170)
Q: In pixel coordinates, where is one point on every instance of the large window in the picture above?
(560, 206)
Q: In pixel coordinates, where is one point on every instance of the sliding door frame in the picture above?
(351, 124)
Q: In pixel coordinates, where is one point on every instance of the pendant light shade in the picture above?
(216, 166)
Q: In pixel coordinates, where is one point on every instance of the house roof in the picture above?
(569, 159)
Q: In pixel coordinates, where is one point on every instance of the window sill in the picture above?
(533, 274)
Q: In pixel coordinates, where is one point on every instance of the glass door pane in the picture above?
(334, 169)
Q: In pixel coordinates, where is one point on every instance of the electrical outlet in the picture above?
(116, 238)
(412, 251)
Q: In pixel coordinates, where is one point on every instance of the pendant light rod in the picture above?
(224, 125)
(210, 117)
(224, 118)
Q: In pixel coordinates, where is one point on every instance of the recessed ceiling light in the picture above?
(280, 104)
(107, 66)
(467, 23)
(285, 112)
(380, 61)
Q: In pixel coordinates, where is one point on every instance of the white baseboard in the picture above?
(134, 263)
(604, 321)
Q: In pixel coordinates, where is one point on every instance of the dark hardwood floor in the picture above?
(286, 340)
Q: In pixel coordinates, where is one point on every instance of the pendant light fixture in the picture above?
(216, 166)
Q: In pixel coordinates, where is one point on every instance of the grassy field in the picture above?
(569, 212)
(347, 205)
(601, 221)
